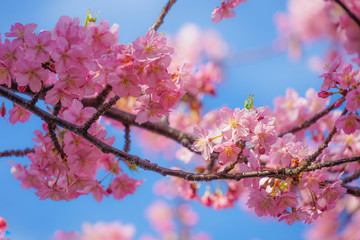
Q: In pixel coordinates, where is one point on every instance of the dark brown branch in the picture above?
(100, 99)
(55, 140)
(310, 121)
(41, 93)
(347, 10)
(127, 139)
(327, 164)
(351, 177)
(17, 153)
(162, 15)
(181, 137)
(353, 190)
(317, 153)
(147, 165)
(105, 107)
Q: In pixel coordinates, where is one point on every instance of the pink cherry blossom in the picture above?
(5, 74)
(100, 37)
(296, 215)
(286, 200)
(228, 152)
(30, 73)
(39, 46)
(19, 31)
(152, 46)
(124, 82)
(124, 185)
(76, 114)
(262, 203)
(349, 123)
(152, 112)
(222, 12)
(19, 114)
(353, 100)
(348, 77)
(233, 123)
(202, 143)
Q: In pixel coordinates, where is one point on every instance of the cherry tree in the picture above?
(295, 162)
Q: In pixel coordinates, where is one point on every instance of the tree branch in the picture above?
(310, 121)
(353, 190)
(147, 165)
(347, 10)
(162, 15)
(17, 153)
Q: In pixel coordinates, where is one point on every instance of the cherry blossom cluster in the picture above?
(344, 82)
(296, 27)
(73, 173)
(225, 11)
(79, 61)
(247, 139)
(162, 217)
(99, 230)
(340, 223)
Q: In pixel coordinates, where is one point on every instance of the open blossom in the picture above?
(228, 152)
(152, 46)
(233, 123)
(348, 77)
(153, 112)
(19, 31)
(349, 123)
(76, 114)
(19, 114)
(30, 73)
(286, 200)
(295, 215)
(39, 46)
(202, 143)
(5, 74)
(124, 185)
(262, 202)
(124, 82)
(101, 37)
(353, 100)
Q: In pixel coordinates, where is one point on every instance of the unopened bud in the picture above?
(339, 102)
(3, 110)
(324, 94)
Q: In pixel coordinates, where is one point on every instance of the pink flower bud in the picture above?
(3, 110)
(339, 102)
(324, 94)
(21, 88)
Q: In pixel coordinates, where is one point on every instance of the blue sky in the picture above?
(30, 219)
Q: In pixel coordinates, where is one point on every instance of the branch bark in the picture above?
(147, 165)
(162, 15)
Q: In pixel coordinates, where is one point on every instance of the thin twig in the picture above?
(105, 107)
(347, 10)
(353, 190)
(55, 140)
(310, 121)
(317, 153)
(127, 139)
(351, 177)
(41, 93)
(162, 15)
(17, 153)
